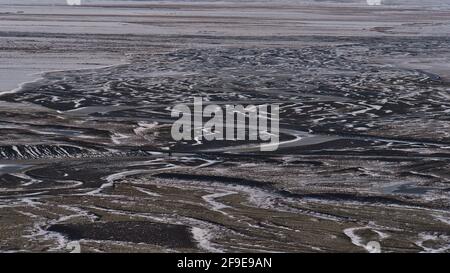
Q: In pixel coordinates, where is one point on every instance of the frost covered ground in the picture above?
(364, 97)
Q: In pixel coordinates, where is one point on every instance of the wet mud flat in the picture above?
(364, 153)
(134, 231)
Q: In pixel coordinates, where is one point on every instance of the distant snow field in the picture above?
(73, 2)
(374, 2)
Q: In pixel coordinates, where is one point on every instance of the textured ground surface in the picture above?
(364, 94)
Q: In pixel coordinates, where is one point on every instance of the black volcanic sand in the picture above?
(166, 235)
(366, 131)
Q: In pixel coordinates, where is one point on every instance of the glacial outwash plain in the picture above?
(86, 154)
